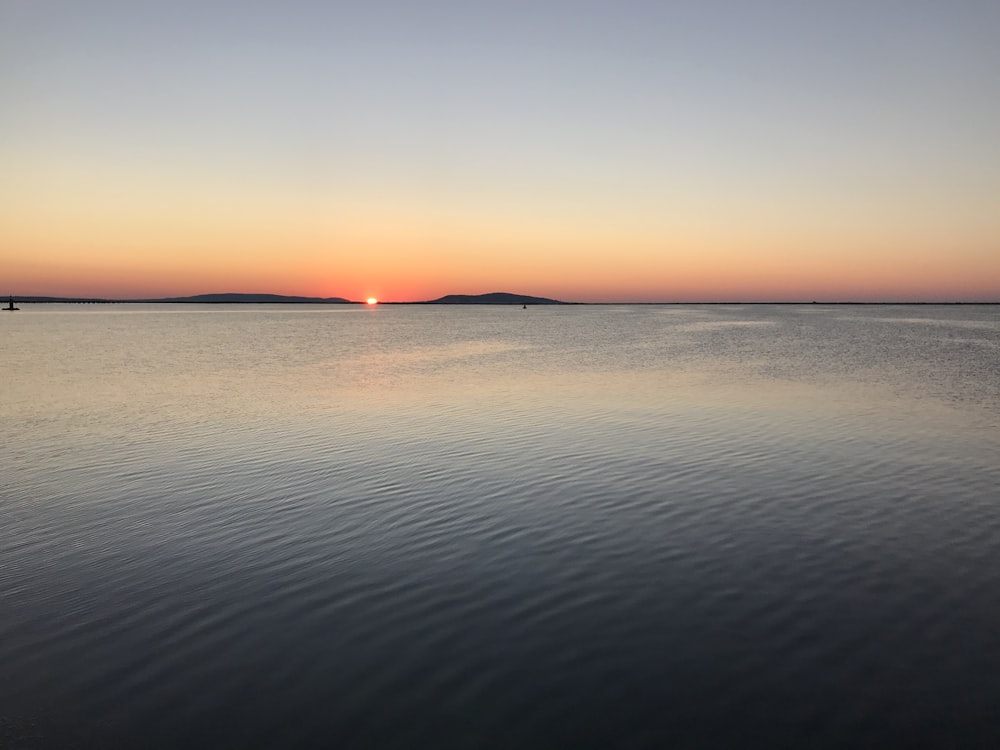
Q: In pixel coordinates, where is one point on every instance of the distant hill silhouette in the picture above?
(37, 299)
(252, 298)
(202, 298)
(493, 298)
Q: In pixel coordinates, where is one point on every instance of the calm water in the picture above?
(489, 527)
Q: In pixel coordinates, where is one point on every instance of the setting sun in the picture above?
(371, 301)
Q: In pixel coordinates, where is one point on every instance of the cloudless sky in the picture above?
(593, 151)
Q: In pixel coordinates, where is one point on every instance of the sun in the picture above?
(371, 301)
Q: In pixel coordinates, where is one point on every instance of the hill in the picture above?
(230, 298)
(493, 298)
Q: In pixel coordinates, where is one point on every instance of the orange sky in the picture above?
(120, 243)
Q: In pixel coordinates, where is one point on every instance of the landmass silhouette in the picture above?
(234, 298)
(492, 298)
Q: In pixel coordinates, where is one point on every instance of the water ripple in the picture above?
(608, 528)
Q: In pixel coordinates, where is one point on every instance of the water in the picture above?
(243, 526)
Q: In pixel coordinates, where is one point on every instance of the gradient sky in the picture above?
(592, 151)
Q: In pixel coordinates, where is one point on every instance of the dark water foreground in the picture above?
(458, 527)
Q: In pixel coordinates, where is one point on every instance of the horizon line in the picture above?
(542, 301)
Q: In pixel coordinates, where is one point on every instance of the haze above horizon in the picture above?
(585, 151)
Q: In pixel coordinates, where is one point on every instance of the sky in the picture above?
(625, 150)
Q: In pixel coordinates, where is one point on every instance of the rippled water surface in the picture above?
(488, 527)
